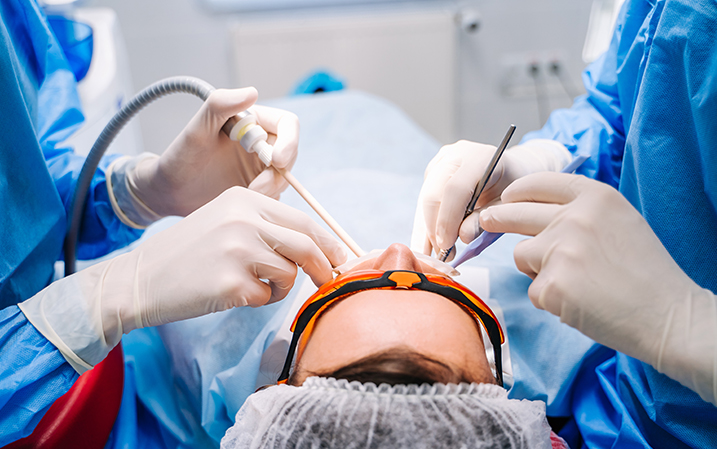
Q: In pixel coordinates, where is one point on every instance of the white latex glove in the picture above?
(452, 176)
(202, 162)
(597, 264)
(213, 260)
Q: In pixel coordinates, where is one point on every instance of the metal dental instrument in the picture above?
(244, 129)
(486, 238)
(482, 183)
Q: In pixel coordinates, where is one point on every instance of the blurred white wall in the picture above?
(511, 31)
(173, 37)
(406, 55)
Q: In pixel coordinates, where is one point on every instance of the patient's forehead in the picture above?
(378, 320)
(371, 312)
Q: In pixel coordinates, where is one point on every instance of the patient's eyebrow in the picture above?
(398, 366)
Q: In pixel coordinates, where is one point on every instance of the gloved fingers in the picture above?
(252, 292)
(549, 261)
(544, 187)
(224, 103)
(536, 289)
(430, 213)
(545, 292)
(528, 255)
(433, 195)
(470, 228)
(436, 160)
(538, 292)
(449, 182)
(465, 162)
(290, 218)
(419, 238)
(519, 218)
(279, 272)
(456, 196)
(301, 250)
(270, 183)
(285, 126)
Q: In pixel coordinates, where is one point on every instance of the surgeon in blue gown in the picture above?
(628, 257)
(234, 236)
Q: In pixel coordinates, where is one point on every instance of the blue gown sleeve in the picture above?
(33, 374)
(101, 231)
(594, 125)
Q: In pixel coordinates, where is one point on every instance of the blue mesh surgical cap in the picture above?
(330, 413)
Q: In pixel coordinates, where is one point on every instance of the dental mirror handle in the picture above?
(485, 239)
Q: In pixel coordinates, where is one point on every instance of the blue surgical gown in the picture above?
(649, 121)
(39, 108)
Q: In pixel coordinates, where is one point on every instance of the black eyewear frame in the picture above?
(489, 322)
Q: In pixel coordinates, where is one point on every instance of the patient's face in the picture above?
(376, 321)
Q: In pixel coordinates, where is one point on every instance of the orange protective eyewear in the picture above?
(353, 282)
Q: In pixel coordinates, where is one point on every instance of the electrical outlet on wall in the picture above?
(521, 71)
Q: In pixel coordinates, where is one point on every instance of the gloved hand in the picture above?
(452, 176)
(213, 260)
(597, 264)
(202, 162)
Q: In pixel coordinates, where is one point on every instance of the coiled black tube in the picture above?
(175, 84)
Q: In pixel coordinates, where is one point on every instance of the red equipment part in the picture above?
(84, 416)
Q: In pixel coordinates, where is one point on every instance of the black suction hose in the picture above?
(167, 86)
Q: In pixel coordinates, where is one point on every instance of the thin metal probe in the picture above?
(482, 183)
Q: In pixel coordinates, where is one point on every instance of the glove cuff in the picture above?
(85, 315)
(68, 314)
(538, 155)
(688, 344)
(131, 210)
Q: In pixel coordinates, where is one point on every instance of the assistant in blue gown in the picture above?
(649, 120)
(39, 108)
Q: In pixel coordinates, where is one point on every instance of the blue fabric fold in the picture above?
(41, 109)
(33, 374)
(649, 122)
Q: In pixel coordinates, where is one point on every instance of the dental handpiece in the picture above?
(244, 129)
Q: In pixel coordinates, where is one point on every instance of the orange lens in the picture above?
(448, 282)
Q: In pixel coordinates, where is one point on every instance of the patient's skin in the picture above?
(374, 321)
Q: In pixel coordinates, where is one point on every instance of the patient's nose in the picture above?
(397, 257)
